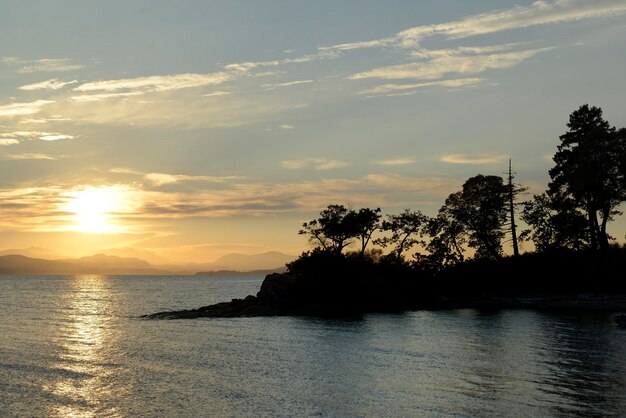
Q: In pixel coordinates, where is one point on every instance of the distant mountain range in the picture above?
(25, 261)
(35, 252)
(97, 264)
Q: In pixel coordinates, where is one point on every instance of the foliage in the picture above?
(564, 227)
(365, 222)
(337, 226)
(589, 170)
(406, 230)
(447, 241)
(479, 211)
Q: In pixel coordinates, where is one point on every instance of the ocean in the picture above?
(74, 346)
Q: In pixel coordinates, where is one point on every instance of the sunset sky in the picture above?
(196, 128)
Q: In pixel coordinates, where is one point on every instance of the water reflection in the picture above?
(578, 380)
(83, 388)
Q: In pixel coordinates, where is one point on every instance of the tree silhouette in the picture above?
(333, 230)
(406, 228)
(480, 208)
(557, 223)
(589, 169)
(447, 241)
(513, 191)
(337, 226)
(364, 222)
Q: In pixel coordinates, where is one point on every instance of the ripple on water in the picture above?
(73, 346)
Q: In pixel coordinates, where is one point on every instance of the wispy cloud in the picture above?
(457, 61)
(316, 163)
(47, 119)
(217, 93)
(156, 83)
(396, 161)
(53, 84)
(244, 68)
(160, 179)
(48, 65)
(540, 12)
(29, 156)
(103, 96)
(46, 208)
(18, 109)
(55, 137)
(8, 141)
(270, 86)
(18, 136)
(473, 158)
(395, 89)
(124, 170)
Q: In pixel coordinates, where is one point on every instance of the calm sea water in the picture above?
(72, 346)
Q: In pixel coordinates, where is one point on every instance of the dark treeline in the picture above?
(361, 257)
(588, 184)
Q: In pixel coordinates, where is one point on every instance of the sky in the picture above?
(198, 128)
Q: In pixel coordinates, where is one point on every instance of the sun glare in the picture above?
(95, 209)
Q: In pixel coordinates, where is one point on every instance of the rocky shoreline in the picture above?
(286, 295)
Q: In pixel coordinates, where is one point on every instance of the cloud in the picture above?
(261, 198)
(377, 43)
(541, 12)
(47, 119)
(157, 83)
(316, 163)
(244, 68)
(46, 207)
(55, 137)
(29, 156)
(122, 170)
(18, 109)
(103, 96)
(18, 136)
(9, 60)
(395, 89)
(53, 84)
(48, 65)
(454, 62)
(160, 179)
(182, 108)
(396, 161)
(8, 141)
(217, 93)
(473, 158)
(286, 127)
(287, 84)
(30, 208)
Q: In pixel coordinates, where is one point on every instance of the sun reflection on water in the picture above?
(82, 387)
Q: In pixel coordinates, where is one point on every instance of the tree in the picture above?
(513, 191)
(554, 224)
(337, 226)
(333, 230)
(480, 209)
(364, 223)
(589, 170)
(406, 230)
(447, 241)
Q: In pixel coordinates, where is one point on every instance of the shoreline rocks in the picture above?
(283, 294)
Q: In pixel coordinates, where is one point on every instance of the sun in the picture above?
(96, 209)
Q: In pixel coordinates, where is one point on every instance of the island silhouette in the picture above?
(456, 258)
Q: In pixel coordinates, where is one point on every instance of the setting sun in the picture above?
(95, 209)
